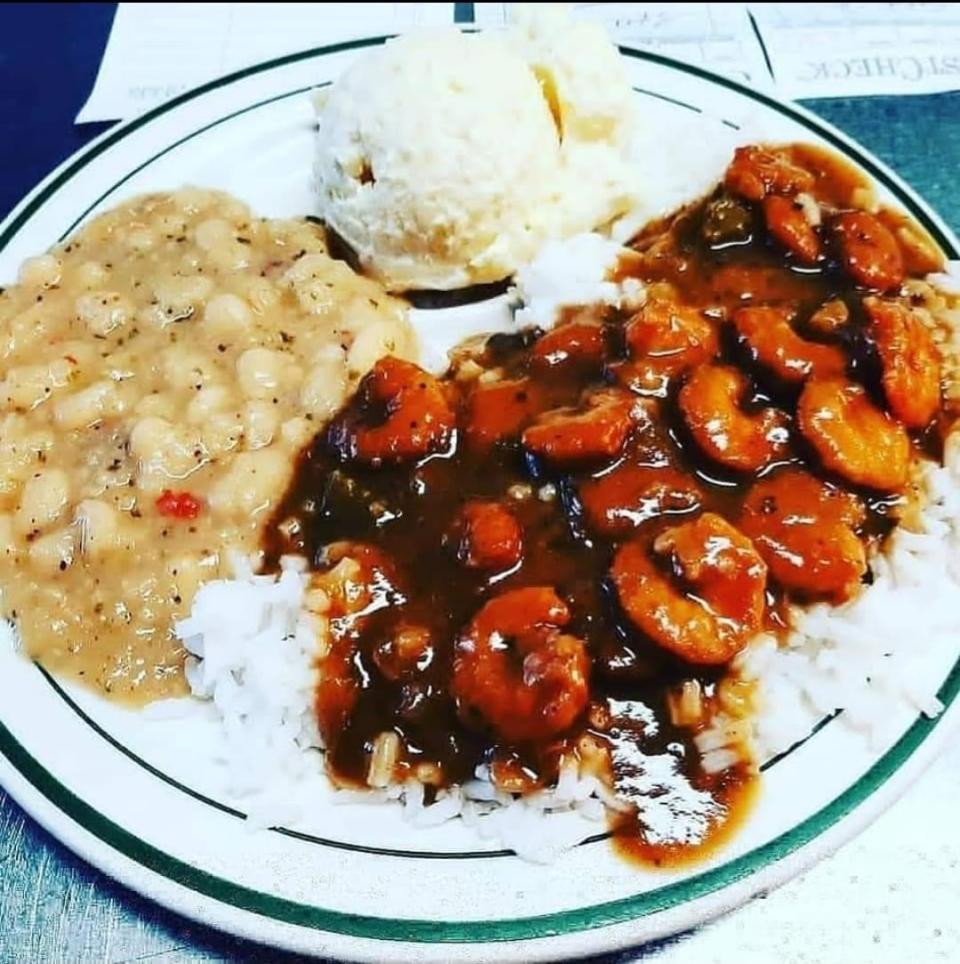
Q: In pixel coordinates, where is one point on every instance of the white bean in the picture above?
(98, 525)
(43, 271)
(260, 421)
(252, 483)
(208, 401)
(159, 405)
(185, 368)
(25, 387)
(372, 343)
(325, 387)
(222, 432)
(260, 372)
(296, 432)
(84, 408)
(226, 316)
(91, 274)
(103, 311)
(217, 238)
(213, 233)
(178, 298)
(43, 501)
(141, 239)
(314, 280)
(164, 452)
(261, 293)
(52, 553)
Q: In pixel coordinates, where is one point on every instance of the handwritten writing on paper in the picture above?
(717, 36)
(159, 50)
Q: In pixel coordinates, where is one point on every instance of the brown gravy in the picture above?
(409, 513)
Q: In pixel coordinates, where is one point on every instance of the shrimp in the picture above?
(666, 339)
(491, 537)
(498, 411)
(400, 412)
(516, 672)
(624, 498)
(868, 250)
(727, 580)
(597, 431)
(575, 344)
(727, 434)
(786, 220)
(768, 335)
(852, 436)
(910, 360)
(805, 530)
(757, 171)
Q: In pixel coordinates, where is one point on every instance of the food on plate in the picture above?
(447, 159)
(711, 401)
(550, 565)
(570, 574)
(161, 371)
(806, 531)
(697, 590)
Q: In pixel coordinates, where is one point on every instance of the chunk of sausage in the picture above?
(399, 413)
(498, 411)
(491, 537)
(579, 345)
(629, 495)
(666, 339)
(787, 223)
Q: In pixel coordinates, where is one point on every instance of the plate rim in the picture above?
(777, 860)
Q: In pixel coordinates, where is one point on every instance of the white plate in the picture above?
(128, 795)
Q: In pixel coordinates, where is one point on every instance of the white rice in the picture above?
(253, 649)
(253, 646)
(863, 657)
(867, 657)
(570, 273)
(948, 280)
(252, 655)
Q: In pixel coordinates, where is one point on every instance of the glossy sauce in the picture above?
(409, 514)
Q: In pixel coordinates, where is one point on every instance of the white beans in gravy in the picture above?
(160, 372)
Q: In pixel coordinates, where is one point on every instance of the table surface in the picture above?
(890, 895)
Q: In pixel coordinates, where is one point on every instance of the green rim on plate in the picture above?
(397, 929)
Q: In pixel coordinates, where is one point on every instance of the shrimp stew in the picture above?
(556, 550)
